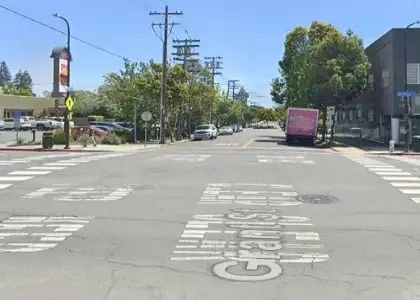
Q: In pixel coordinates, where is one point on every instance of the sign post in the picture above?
(17, 124)
(146, 116)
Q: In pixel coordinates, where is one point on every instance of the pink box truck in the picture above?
(301, 125)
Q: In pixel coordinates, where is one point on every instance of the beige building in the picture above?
(29, 106)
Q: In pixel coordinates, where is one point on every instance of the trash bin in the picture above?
(416, 143)
(47, 140)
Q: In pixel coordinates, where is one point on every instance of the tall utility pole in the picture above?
(233, 86)
(185, 51)
(213, 63)
(166, 24)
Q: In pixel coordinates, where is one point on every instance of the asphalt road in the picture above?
(239, 217)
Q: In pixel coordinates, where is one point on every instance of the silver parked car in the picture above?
(205, 132)
(226, 130)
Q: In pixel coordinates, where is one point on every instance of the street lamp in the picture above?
(66, 121)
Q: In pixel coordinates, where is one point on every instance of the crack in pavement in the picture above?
(161, 267)
(381, 276)
(114, 281)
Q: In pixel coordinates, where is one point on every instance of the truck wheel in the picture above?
(40, 127)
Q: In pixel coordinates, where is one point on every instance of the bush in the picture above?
(125, 135)
(95, 118)
(83, 139)
(111, 139)
(59, 138)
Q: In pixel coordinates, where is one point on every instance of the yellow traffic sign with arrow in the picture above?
(69, 103)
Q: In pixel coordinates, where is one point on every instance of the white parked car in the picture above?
(226, 130)
(205, 132)
(9, 124)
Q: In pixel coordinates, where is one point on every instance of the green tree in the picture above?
(321, 67)
(23, 80)
(242, 96)
(11, 89)
(5, 75)
(86, 103)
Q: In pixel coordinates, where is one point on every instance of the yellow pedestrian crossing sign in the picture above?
(70, 117)
(69, 103)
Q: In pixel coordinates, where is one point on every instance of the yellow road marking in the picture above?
(244, 146)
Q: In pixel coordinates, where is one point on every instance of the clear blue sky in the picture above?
(249, 35)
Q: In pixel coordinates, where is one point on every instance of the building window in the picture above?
(370, 81)
(385, 77)
(413, 73)
(343, 115)
(359, 113)
(350, 115)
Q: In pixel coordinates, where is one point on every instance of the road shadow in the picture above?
(281, 141)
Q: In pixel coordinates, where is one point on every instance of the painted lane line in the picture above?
(393, 173)
(29, 173)
(378, 166)
(409, 191)
(405, 184)
(4, 186)
(47, 168)
(416, 200)
(15, 178)
(385, 170)
(401, 178)
(186, 246)
(62, 164)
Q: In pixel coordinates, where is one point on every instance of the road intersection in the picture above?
(241, 217)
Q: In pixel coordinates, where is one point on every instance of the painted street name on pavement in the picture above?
(284, 159)
(182, 158)
(258, 194)
(69, 193)
(249, 244)
(37, 233)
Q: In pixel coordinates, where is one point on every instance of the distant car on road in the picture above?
(205, 132)
(225, 130)
(240, 128)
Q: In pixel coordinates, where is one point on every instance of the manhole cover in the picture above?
(318, 199)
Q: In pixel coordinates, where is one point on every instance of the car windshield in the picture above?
(225, 127)
(204, 127)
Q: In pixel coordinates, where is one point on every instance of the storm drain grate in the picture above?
(318, 199)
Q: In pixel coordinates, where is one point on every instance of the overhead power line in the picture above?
(62, 32)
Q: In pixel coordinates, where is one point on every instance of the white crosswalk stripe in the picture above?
(182, 158)
(403, 181)
(284, 159)
(48, 168)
